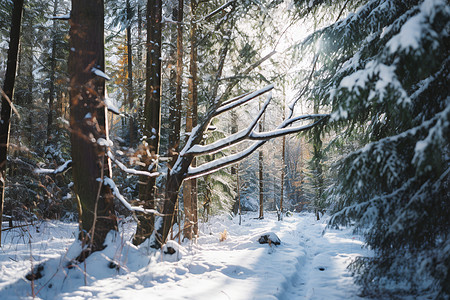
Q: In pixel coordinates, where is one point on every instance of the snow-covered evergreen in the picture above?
(383, 73)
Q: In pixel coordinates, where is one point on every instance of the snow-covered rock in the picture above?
(172, 251)
(269, 238)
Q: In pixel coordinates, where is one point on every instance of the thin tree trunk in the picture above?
(139, 74)
(283, 161)
(8, 88)
(152, 113)
(88, 122)
(176, 73)
(51, 96)
(238, 183)
(317, 165)
(261, 176)
(190, 186)
(179, 78)
(130, 74)
(235, 168)
(175, 91)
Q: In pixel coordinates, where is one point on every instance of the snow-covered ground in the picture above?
(307, 264)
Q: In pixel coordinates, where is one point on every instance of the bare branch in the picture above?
(232, 139)
(262, 137)
(229, 106)
(211, 14)
(211, 167)
(234, 99)
(131, 171)
(233, 83)
(305, 88)
(283, 131)
(302, 117)
(259, 62)
(10, 102)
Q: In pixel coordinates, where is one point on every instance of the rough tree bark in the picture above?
(190, 186)
(176, 73)
(152, 113)
(8, 88)
(51, 92)
(88, 124)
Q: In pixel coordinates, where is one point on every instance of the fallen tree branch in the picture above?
(61, 169)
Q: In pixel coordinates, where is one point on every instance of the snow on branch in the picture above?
(211, 14)
(112, 107)
(282, 131)
(61, 169)
(100, 73)
(303, 117)
(215, 165)
(233, 99)
(263, 137)
(232, 139)
(109, 182)
(193, 147)
(128, 170)
(60, 17)
(247, 134)
(230, 105)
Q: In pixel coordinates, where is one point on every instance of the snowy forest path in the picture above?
(237, 267)
(322, 271)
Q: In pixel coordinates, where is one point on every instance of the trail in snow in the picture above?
(307, 264)
(322, 271)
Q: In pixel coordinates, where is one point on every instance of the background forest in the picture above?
(368, 79)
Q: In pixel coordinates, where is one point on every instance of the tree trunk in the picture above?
(8, 88)
(176, 73)
(317, 166)
(130, 74)
(88, 124)
(238, 192)
(235, 168)
(51, 92)
(176, 77)
(190, 186)
(139, 75)
(152, 113)
(283, 161)
(261, 176)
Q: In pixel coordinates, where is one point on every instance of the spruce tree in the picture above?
(383, 74)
